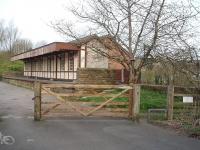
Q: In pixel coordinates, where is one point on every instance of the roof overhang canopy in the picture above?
(49, 48)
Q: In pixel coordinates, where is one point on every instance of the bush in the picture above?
(8, 66)
(152, 99)
(16, 66)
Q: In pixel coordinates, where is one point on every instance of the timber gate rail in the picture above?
(62, 100)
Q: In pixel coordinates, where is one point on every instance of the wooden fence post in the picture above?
(134, 102)
(130, 105)
(170, 102)
(37, 101)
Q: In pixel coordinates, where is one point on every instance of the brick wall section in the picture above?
(95, 76)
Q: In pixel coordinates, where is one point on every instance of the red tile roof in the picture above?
(49, 48)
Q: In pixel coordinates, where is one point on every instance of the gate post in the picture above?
(170, 102)
(37, 101)
(134, 102)
(130, 103)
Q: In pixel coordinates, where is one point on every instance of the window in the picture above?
(71, 61)
(33, 66)
(62, 62)
(40, 65)
(27, 66)
(49, 64)
(52, 63)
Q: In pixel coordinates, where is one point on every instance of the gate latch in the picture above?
(35, 97)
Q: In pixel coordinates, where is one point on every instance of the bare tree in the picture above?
(143, 28)
(2, 34)
(10, 39)
(40, 43)
(189, 67)
(21, 45)
(9, 34)
(12, 35)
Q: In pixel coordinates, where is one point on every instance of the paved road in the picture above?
(77, 134)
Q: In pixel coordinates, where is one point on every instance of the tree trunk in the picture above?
(134, 75)
(133, 79)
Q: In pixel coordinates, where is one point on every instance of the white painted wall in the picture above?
(94, 59)
(82, 56)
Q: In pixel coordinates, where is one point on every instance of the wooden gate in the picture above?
(82, 100)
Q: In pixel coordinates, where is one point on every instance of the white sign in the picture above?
(187, 99)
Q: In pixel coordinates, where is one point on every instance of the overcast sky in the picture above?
(31, 17)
